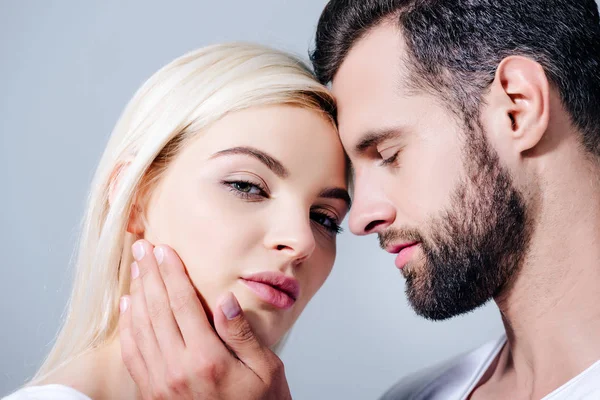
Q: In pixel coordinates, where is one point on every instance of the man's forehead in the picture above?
(378, 52)
(367, 82)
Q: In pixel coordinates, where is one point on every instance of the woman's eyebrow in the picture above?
(271, 162)
(337, 193)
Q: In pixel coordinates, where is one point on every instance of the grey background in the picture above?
(67, 70)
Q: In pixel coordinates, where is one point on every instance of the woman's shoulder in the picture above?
(47, 392)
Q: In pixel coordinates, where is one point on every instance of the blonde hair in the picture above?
(173, 106)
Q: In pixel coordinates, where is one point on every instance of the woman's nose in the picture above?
(292, 236)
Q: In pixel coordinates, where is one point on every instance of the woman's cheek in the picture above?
(324, 265)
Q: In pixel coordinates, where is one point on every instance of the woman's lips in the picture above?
(275, 288)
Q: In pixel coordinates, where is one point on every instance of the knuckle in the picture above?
(241, 333)
(139, 335)
(143, 270)
(159, 393)
(244, 333)
(210, 371)
(276, 369)
(157, 309)
(278, 365)
(182, 300)
(176, 379)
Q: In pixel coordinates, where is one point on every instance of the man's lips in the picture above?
(404, 251)
(274, 288)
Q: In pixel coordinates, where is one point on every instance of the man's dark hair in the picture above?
(455, 46)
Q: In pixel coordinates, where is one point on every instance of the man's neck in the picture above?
(551, 312)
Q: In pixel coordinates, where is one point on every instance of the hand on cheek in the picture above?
(172, 351)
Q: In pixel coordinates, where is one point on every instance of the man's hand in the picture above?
(172, 351)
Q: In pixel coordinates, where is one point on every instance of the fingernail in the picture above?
(138, 251)
(124, 304)
(135, 271)
(230, 306)
(159, 254)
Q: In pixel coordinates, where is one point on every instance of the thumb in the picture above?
(235, 330)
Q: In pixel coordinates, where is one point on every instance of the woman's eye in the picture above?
(246, 190)
(246, 187)
(327, 222)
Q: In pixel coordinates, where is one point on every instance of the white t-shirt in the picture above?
(456, 379)
(47, 392)
(453, 380)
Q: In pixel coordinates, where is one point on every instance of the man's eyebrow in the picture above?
(337, 193)
(373, 139)
(271, 162)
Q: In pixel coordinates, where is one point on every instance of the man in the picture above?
(473, 128)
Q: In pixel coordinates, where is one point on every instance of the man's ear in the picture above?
(135, 224)
(521, 92)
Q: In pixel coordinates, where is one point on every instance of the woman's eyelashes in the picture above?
(328, 222)
(246, 190)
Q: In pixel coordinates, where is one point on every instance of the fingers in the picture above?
(132, 358)
(141, 327)
(187, 309)
(235, 330)
(164, 313)
(158, 306)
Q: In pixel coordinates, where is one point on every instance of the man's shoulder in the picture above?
(447, 380)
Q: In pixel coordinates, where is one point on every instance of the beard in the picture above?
(475, 247)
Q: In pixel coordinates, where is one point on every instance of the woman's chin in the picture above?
(269, 332)
(268, 324)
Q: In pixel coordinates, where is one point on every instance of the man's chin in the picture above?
(413, 269)
(432, 313)
(440, 306)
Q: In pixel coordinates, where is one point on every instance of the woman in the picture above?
(229, 155)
